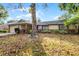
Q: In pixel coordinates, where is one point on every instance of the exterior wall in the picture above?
(45, 27)
(26, 27)
(71, 27)
(12, 28)
(23, 26)
(29, 27)
(42, 27)
(62, 27)
(39, 27)
(53, 27)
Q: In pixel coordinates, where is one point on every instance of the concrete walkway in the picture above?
(5, 34)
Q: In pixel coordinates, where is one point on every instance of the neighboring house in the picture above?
(51, 25)
(4, 27)
(19, 25)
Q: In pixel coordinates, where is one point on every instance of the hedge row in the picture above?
(53, 31)
(3, 31)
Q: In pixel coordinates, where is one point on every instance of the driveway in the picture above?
(5, 34)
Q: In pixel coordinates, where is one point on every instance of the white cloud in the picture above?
(23, 9)
(56, 17)
(9, 17)
(24, 16)
(38, 15)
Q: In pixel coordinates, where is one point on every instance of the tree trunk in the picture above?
(78, 28)
(68, 29)
(33, 14)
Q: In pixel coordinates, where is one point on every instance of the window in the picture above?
(62, 27)
(45, 27)
(39, 27)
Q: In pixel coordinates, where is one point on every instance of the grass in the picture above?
(45, 45)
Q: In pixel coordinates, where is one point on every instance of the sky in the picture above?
(49, 13)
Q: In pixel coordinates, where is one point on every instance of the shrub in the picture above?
(58, 31)
(3, 31)
(29, 31)
(54, 31)
(62, 31)
(45, 31)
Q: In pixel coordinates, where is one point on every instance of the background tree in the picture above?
(72, 9)
(3, 14)
(65, 16)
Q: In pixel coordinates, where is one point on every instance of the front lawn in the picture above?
(45, 45)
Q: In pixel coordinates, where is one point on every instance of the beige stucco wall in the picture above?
(71, 27)
(20, 26)
(53, 27)
(12, 28)
(23, 26)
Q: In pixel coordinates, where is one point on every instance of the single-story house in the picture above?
(51, 25)
(26, 26)
(48, 25)
(19, 25)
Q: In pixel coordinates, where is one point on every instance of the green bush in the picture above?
(54, 31)
(3, 31)
(29, 31)
(62, 31)
(58, 31)
(46, 31)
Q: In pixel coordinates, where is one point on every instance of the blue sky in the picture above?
(52, 12)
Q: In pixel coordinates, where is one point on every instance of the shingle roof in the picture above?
(16, 23)
(40, 23)
(51, 22)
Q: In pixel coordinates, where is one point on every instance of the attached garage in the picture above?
(21, 27)
(12, 28)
